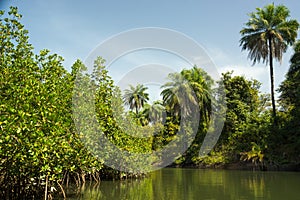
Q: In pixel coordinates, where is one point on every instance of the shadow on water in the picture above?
(196, 184)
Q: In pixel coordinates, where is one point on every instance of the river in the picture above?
(186, 184)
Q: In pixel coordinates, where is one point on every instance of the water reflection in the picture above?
(197, 184)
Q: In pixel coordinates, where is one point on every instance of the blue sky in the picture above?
(73, 28)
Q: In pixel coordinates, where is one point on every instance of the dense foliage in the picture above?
(247, 122)
(40, 148)
(288, 133)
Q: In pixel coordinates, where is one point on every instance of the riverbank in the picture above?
(244, 166)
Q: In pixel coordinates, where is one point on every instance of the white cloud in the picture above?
(241, 65)
(260, 73)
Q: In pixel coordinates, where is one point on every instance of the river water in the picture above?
(185, 184)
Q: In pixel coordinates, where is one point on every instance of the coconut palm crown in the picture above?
(136, 97)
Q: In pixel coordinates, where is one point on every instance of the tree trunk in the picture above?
(272, 79)
(136, 108)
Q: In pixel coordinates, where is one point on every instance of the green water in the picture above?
(199, 184)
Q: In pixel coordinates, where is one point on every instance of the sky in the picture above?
(73, 29)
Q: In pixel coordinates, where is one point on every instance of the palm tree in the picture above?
(194, 86)
(267, 35)
(155, 112)
(178, 94)
(150, 113)
(201, 83)
(136, 97)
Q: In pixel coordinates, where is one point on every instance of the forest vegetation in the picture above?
(41, 149)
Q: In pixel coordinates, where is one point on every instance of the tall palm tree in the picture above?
(136, 97)
(267, 35)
